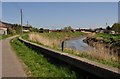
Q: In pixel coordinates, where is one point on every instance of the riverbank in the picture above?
(106, 42)
(106, 45)
(101, 71)
(53, 39)
(93, 55)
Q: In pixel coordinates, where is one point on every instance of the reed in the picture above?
(43, 40)
(99, 54)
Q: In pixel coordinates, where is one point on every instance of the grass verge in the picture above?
(38, 65)
(5, 36)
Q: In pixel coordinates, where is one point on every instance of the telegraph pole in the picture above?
(21, 21)
(27, 23)
(106, 24)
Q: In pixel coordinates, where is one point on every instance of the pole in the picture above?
(106, 24)
(27, 23)
(62, 46)
(21, 22)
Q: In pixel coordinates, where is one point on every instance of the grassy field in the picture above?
(38, 65)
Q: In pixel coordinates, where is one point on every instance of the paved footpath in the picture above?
(11, 66)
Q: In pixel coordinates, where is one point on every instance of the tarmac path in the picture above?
(11, 66)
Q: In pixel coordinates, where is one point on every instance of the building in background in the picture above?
(26, 28)
(3, 29)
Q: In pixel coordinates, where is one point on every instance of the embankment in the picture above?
(112, 48)
(100, 70)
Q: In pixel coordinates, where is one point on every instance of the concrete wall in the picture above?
(100, 70)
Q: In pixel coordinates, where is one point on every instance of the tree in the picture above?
(116, 27)
(68, 28)
(41, 30)
(33, 29)
(10, 31)
(17, 28)
(108, 28)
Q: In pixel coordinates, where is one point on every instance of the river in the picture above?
(77, 44)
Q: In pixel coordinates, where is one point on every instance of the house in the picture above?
(105, 31)
(109, 31)
(8, 25)
(26, 28)
(3, 29)
(100, 31)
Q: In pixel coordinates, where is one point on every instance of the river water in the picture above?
(77, 44)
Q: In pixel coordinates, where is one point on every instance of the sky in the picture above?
(57, 15)
(119, 12)
(60, 0)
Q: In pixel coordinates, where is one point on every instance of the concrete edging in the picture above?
(100, 70)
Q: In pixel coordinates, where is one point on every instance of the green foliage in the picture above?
(0, 37)
(10, 31)
(38, 64)
(33, 29)
(116, 27)
(5, 36)
(108, 38)
(68, 28)
(61, 35)
(25, 36)
(108, 28)
(17, 28)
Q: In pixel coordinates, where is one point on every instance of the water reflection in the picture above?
(77, 44)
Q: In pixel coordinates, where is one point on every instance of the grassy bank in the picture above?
(100, 57)
(61, 35)
(53, 39)
(107, 48)
(38, 65)
(97, 56)
(107, 38)
(5, 36)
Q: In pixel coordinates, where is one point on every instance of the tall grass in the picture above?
(44, 40)
(99, 54)
(53, 39)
